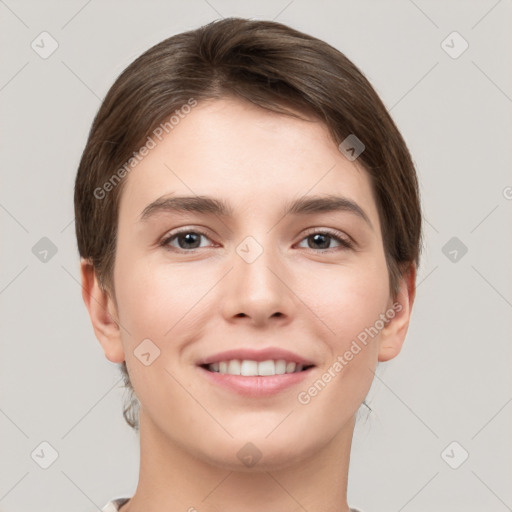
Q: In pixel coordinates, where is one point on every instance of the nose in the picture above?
(258, 292)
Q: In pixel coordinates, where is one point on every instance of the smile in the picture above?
(250, 368)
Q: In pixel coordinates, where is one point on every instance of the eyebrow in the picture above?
(307, 205)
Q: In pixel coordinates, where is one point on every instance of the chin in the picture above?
(259, 454)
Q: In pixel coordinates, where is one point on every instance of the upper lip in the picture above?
(255, 355)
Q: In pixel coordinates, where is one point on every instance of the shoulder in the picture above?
(115, 505)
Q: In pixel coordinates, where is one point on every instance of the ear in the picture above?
(393, 335)
(99, 304)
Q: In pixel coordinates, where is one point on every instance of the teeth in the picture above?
(266, 368)
(290, 367)
(234, 367)
(280, 366)
(251, 368)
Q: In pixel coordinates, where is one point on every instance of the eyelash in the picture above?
(344, 242)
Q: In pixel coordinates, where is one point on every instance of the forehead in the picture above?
(248, 156)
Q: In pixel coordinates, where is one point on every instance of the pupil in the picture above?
(318, 237)
(189, 239)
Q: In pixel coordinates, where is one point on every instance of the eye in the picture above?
(187, 240)
(321, 240)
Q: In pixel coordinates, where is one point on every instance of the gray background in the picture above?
(452, 381)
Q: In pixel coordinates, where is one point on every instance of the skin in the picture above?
(212, 300)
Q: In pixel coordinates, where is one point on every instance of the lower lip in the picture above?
(257, 386)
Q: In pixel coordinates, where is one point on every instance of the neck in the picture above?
(173, 479)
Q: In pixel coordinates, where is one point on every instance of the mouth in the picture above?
(253, 368)
(255, 373)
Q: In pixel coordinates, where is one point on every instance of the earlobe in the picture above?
(102, 312)
(393, 335)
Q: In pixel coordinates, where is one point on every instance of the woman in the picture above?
(248, 221)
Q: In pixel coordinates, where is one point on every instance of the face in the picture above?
(308, 286)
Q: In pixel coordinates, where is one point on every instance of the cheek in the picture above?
(349, 299)
(152, 298)
(351, 305)
(154, 304)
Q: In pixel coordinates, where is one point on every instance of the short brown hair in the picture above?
(270, 65)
